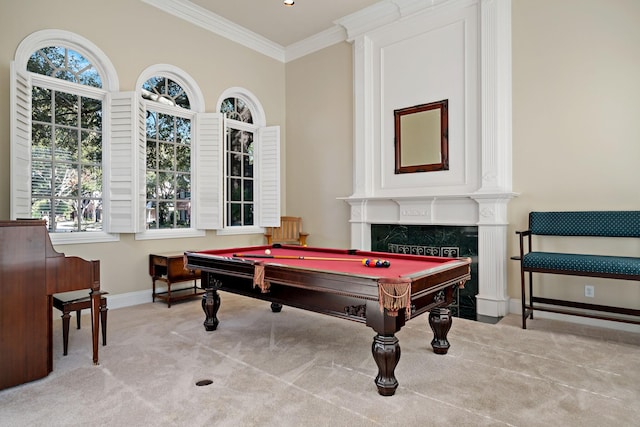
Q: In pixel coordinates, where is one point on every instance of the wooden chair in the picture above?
(289, 232)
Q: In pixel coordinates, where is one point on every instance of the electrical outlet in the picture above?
(589, 291)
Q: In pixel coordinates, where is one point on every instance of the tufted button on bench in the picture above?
(78, 301)
(578, 223)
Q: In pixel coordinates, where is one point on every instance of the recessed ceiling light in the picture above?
(289, 2)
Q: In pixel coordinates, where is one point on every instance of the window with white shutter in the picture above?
(95, 162)
(175, 131)
(251, 165)
(59, 87)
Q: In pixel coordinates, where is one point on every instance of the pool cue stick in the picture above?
(313, 258)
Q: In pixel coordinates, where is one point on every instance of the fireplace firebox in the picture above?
(435, 240)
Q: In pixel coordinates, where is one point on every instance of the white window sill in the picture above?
(82, 237)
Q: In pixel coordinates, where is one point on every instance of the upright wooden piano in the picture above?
(31, 271)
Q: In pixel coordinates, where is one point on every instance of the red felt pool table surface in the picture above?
(345, 261)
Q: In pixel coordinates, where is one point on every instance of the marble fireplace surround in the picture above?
(475, 191)
(486, 211)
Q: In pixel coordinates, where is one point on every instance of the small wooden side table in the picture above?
(169, 268)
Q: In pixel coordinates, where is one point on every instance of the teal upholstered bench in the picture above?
(585, 223)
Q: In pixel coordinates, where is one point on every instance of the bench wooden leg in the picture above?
(523, 299)
(527, 309)
(103, 321)
(65, 332)
(531, 295)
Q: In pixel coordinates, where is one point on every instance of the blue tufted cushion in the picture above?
(583, 263)
(586, 223)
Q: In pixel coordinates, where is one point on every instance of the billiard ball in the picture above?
(268, 251)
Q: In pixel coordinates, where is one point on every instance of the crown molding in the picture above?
(329, 37)
(347, 28)
(217, 24)
(367, 19)
(387, 12)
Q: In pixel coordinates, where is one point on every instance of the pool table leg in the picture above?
(386, 353)
(210, 306)
(440, 322)
(385, 347)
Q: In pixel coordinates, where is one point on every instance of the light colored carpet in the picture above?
(297, 368)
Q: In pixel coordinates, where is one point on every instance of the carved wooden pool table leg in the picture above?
(386, 353)
(385, 347)
(210, 306)
(440, 322)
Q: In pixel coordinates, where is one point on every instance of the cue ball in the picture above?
(268, 251)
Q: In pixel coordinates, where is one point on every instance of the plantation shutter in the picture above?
(127, 194)
(269, 176)
(20, 119)
(209, 181)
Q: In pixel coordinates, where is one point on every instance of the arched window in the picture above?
(59, 94)
(172, 107)
(66, 142)
(240, 172)
(252, 163)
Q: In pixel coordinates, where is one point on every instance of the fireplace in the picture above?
(435, 240)
(482, 216)
(428, 51)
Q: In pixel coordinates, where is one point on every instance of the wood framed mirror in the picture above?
(422, 138)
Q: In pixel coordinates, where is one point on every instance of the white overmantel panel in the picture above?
(429, 59)
(426, 51)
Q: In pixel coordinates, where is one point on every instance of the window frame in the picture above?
(26, 79)
(196, 103)
(55, 84)
(246, 127)
(258, 127)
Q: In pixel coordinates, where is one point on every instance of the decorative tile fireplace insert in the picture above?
(435, 240)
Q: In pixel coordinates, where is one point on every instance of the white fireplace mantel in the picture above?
(472, 40)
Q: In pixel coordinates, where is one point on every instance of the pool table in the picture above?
(338, 283)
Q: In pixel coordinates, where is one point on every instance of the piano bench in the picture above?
(78, 301)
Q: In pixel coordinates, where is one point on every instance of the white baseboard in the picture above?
(135, 298)
(515, 307)
(128, 299)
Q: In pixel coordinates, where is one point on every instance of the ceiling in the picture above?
(284, 25)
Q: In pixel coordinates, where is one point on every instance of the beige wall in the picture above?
(320, 149)
(575, 127)
(576, 133)
(135, 36)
